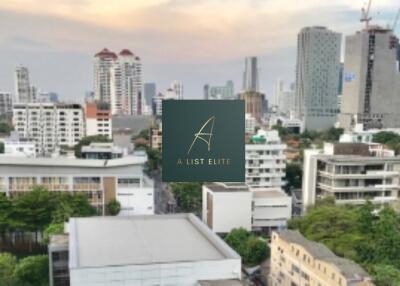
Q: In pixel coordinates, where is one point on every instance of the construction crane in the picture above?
(396, 19)
(365, 15)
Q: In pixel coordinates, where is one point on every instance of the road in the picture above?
(163, 199)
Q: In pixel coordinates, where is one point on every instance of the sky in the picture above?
(193, 41)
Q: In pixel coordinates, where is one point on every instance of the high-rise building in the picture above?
(279, 86)
(317, 77)
(371, 79)
(118, 81)
(51, 126)
(255, 103)
(149, 92)
(104, 62)
(177, 87)
(226, 91)
(250, 75)
(5, 103)
(22, 85)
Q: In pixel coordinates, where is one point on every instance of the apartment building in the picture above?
(156, 137)
(98, 119)
(51, 126)
(233, 205)
(142, 250)
(296, 261)
(16, 146)
(265, 160)
(100, 180)
(5, 103)
(350, 173)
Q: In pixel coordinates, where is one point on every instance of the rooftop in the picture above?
(143, 240)
(228, 187)
(269, 194)
(346, 267)
(351, 159)
(72, 162)
(220, 283)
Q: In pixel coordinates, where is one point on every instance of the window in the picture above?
(128, 182)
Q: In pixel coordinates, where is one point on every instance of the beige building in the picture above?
(156, 137)
(297, 261)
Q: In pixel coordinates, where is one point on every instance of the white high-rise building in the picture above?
(277, 92)
(50, 125)
(250, 75)
(265, 160)
(371, 85)
(317, 77)
(22, 85)
(118, 81)
(103, 63)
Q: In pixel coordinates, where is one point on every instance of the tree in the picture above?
(71, 205)
(1, 147)
(85, 141)
(386, 275)
(188, 196)
(142, 134)
(52, 229)
(113, 207)
(256, 250)
(6, 128)
(7, 266)
(5, 212)
(32, 270)
(294, 175)
(154, 159)
(252, 249)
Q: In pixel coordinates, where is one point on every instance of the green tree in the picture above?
(33, 271)
(52, 229)
(71, 205)
(237, 239)
(294, 175)
(256, 250)
(145, 134)
(5, 214)
(85, 141)
(386, 275)
(1, 147)
(6, 128)
(154, 159)
(113, 207)
(188, 196)
(7, 266)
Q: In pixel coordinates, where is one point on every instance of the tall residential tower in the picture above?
(317, 77)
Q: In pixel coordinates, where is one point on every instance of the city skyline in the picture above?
(62, 38)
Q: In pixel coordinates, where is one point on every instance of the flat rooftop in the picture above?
(269, 194)
(353, 159)
(113, 241)
(228, 187)
(228, 282)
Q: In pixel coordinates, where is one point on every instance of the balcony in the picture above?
(87, 187)
(365, 175)
(381, 187)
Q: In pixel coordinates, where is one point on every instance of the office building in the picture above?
(22, 85)
(371, 80)
(351, 173)
(118, 81)
(143, 250)
(286, 99)
(250, 75)
(52, 126)
(265, 160)
(44, 96)
(278, 89)
(5, 104)
(101, 180)
(149, 93)
(297, 261)
(234, 205)
(98, 119)
(226, 91)
(317, 77)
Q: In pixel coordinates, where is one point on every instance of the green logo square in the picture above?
(203, 141)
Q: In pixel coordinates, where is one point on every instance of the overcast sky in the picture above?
(194, 41)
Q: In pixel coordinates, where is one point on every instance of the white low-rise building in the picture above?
(15, 146)
(101, 180)
(142, 250)
(351, 173)
(234, 205)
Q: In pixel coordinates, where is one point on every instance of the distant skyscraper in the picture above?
(150, 92)
(22, 85)
(177, 87)
(206, 91)
(5, 103)
(317, 77)
(371, 89)
(226, 91)
(250, 75)
(277, 92)
(255, 103)
(118, 81)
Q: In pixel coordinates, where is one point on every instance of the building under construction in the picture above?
(371, 90)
